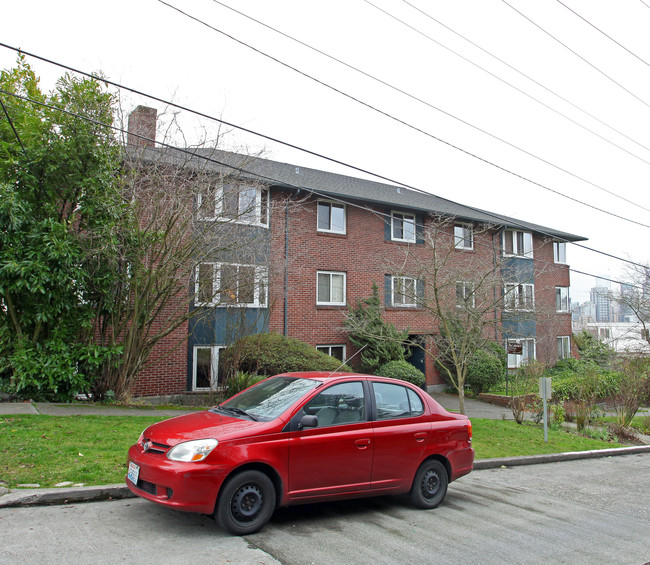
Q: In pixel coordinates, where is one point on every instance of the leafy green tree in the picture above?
(378, 340)
(592, 349)
(59, 208)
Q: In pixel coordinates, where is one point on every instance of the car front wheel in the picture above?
(430, 484)
(246, 503)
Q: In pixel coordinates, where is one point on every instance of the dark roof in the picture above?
(333, 185)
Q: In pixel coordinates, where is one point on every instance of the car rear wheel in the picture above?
(430, 484)
(246, 503)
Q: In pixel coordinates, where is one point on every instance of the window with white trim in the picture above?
(527, 348)
(562, 298)
(205, 370)
(336, 351)
(563, 347)
(404, 291)
(519, 297)
(559, 252)
(331, 217)
(465, 297)
(464, 236)
(330, 288)
(235, 202)
(517, 243)
(402, 227)
(227, 284)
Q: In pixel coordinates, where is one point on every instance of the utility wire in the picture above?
(503, 62)
(117, 85)
(11, 123)
(400, 121)
(577, 54)
(428, 104)
(603, 33)
(242, 170)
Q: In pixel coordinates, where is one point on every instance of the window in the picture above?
(465, 297)
(525, 349)
(396, 401)
(331, 217)
(336, 351)
(603, 333)
(561, 298)
(559, 252)
(205, 374)
(518, 243)
(402, 227)
(519, 297)
(404, 291)
(331, 288)
(463, 236)
(563, 347)
(225, 284)
(343, 403)
(239, 203)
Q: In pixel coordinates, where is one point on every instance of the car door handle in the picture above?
(362, 443)
(420, 436)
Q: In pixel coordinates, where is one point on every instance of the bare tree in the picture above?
(464, 289)
(196, 240)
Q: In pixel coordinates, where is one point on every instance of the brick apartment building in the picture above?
(326, 238)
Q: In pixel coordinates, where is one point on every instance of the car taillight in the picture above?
(469, 429)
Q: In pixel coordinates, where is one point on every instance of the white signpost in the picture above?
(545, 394)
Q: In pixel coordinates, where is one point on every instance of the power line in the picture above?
(503, 62)
(428, 104)
(577, 55)
(11, 123)
(400, 121)
(603, 33)
(315, 192)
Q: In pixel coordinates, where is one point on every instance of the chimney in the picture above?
(142, 122)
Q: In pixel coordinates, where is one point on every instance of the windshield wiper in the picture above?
(237, 411)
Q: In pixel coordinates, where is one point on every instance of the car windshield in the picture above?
(267, 400)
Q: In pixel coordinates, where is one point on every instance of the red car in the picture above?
(302, 437)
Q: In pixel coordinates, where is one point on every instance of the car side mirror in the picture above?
(308, 421)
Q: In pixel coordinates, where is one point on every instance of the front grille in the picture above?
(147, 487)
(157, 448)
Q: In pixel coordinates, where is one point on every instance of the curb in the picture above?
(67, 495)
(71, 495)
(557, 457)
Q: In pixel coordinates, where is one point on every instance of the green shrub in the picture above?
(486, 369)
(271, 354)
(402, 370)
(241, 381)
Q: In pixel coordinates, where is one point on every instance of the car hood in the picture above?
(201, 425)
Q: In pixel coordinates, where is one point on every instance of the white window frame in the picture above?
(331, 204)
(515, 297)
(467, 292)
(259, 211)
(332, 274)
(214, 365)
(515, 361)
(260, 288)
(396, 284)
(563, 347)
(322, 349)
(521, 243)
(462, 234)
(404, 217)
(562, 298)
(559, 252)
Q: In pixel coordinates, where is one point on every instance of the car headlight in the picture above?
(196, 450)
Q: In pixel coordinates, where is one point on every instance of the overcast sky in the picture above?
(536, 110)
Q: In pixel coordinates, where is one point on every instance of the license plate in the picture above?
(134, 472)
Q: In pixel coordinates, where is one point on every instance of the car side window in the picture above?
(339, 404)
(396, 401)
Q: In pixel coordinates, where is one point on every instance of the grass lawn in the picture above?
(47, 450)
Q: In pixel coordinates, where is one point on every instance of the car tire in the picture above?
(430, 484)
(246, 503)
